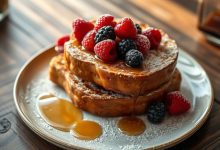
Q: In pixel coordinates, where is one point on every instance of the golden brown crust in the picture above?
(157, 69)
(101, 102)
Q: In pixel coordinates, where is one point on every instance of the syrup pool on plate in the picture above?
(86, 130)
(131, 126)
(64, 116)
(59, 113)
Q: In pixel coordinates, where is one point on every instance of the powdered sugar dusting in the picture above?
(155, 60)
(143, 43)
(110, 132)
(171, 128)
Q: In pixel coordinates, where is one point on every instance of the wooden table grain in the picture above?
(33, 25)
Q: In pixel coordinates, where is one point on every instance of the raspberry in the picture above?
(177, 103)
(106, 32)
(134, 58)
(62, 40)
(105, 50)
(104, 20)
(124, 46)
(88, 41)
(154, 36)
(138, 27)
(156, 112)
(60, 43)
(113, 24)
(143, 44)
(80, 28)
(125, 28)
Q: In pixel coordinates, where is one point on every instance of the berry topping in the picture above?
(88, 41)
(177, 103)
(143, 43)
(154, 36)
(104, 20)
(80, 28)
(106, 50)
(138, 27)
(125, 28)
(134, 58)
(113, 24)
(106, 32)
(132, 42)
(60, 43)
(156, 112)
(124, 46)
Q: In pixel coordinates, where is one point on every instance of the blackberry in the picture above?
(156, 112)
(134, 58)
(104, 33)
(138, 27)
(124, 46)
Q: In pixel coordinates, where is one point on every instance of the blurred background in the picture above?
(32, 25)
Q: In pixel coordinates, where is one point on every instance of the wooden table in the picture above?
(33, 25)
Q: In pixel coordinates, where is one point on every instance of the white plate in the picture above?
(33, 80)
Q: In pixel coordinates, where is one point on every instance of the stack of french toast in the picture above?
(115, 67)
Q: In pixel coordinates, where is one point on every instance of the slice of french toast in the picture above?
(96, 100)
(157, 69)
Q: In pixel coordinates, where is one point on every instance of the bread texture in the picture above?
(95, 99)
(157, 69)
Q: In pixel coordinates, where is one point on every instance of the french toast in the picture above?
(99, 101)
(157, 69)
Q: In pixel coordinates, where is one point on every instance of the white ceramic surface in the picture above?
(33, 80)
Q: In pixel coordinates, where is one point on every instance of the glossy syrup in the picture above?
(131, 126)
(59, 113)
(86, 130)
(64, 116)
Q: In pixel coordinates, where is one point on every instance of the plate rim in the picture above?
(47, 137)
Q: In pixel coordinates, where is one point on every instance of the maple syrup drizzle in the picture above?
(59, 113)
(86, 130)
(131, 126)
(64, 116)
